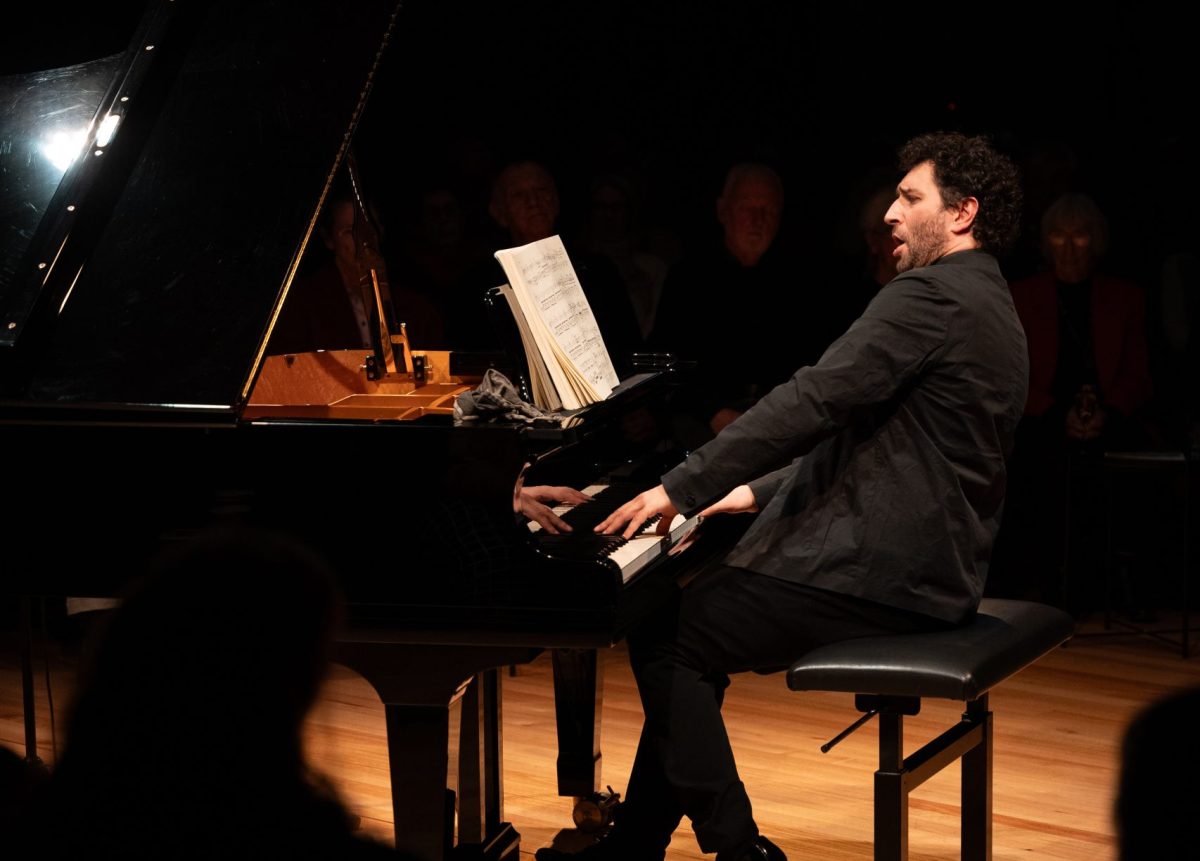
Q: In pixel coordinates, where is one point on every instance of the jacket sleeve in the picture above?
(765, 487)
(885, 350)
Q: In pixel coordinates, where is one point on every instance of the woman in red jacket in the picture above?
(1086, 331)
(1088, 382)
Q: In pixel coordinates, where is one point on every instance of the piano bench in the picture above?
(889, 676)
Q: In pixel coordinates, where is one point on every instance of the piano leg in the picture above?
(472, 770)
(482, 833)
(578, 696)
(418, 743)
(493, 752)
(419, 685)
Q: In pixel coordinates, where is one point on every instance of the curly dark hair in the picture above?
(969, 167)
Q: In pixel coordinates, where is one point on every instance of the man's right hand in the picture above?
(740, 500)
(638, 510)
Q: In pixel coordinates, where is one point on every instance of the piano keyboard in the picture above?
(630, 555)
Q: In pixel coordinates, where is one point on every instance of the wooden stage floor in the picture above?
(1058, 729)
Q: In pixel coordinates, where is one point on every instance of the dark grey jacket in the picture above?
(899, 435)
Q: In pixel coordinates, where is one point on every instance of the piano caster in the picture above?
(594, 813)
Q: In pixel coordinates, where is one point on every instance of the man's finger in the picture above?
(549, 521)
(635, 524)
(617, 517)
(549, 493)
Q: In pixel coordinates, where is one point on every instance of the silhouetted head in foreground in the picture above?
(185, 737)
(1158, 797)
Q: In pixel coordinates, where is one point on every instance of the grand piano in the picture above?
(156, 208)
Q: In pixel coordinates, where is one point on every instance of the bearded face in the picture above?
(925, 242)
(919, 220)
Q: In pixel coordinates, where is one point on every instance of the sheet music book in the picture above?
(568, 361)
(544, 393)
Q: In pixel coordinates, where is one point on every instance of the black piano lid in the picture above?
(169, 252)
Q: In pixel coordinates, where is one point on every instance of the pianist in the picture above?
(884, 520)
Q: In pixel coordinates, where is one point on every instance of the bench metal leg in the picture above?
(891, 792)
(977, 787)
(970, 740)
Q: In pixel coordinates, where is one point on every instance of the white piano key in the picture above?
(637, 552)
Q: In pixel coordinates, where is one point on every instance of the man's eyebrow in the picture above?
(905, 192)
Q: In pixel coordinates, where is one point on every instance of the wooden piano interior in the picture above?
(333, 384)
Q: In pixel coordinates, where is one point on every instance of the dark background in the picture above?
(1086, 96)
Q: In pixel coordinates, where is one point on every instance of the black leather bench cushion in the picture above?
(957, 664)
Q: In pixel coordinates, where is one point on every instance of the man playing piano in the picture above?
(879, 476)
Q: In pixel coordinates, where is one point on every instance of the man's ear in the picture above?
(963, 215)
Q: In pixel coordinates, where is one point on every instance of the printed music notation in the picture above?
(560, 320)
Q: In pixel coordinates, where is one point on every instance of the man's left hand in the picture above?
(531, 502)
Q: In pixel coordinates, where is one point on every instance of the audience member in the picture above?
(612, 229)
(877, 237)
(525, 204)
(333, 306)
(736, 309)
(470, 166)
(1086, 331)
(437, 253)
(1050, 168)
(185, 736)
(878, 265)
(1088, 386)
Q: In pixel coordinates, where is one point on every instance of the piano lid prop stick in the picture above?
(402, 340)
(385, 339)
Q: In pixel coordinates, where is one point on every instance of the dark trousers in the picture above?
(727, 620)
